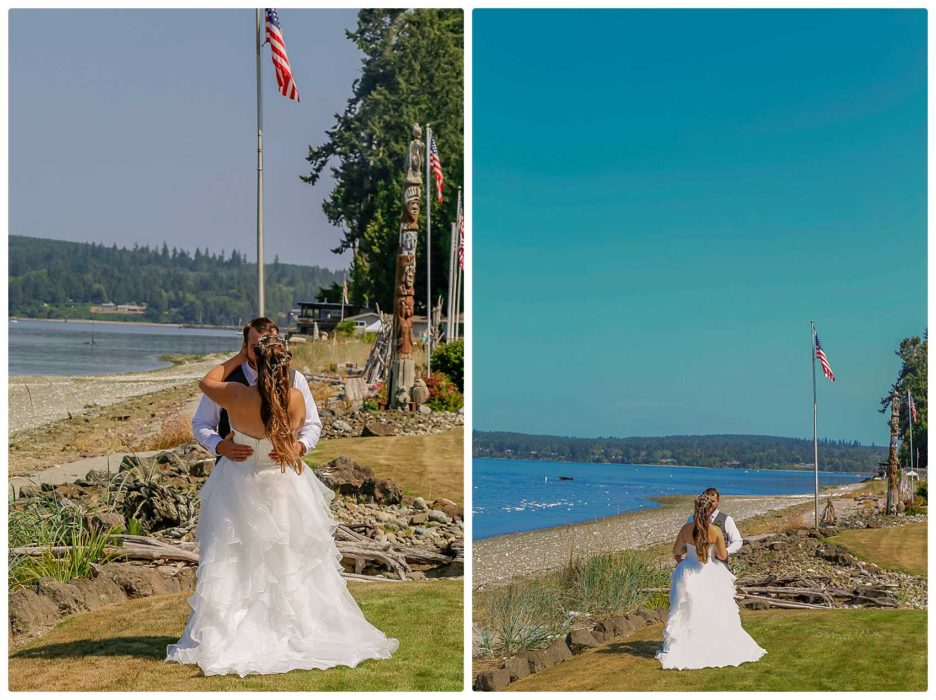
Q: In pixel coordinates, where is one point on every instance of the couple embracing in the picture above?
(704, 624)
(269, 595)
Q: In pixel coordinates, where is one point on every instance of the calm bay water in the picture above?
(516, 496)
(56, 348)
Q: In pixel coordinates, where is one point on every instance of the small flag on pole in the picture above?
(284, 76)
(436, 166)
(824, 361)
(913, 411)
(461, 236)
(344, 293)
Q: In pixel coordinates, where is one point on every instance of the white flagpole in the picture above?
(428, 257)
(910, 430)
(260, 299)
(451, 283)
(815, 434)
(344, 287)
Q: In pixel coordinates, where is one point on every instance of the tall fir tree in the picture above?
(412, 72)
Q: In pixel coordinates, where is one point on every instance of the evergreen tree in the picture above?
(412, 72)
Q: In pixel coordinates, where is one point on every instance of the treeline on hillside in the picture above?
(741, 451)
(61, 279)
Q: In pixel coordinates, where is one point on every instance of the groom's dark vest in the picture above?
(224, 423)
(720, 520)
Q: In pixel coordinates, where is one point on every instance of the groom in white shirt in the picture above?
(210, 421)
(733, 539)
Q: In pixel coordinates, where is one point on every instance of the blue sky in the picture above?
(139, 126)
(663, 200)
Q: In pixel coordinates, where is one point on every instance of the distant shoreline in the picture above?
(126, 323)
(674, 466)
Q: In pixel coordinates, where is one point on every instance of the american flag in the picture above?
(284, 76)
(436, 166)
(913, 413)
(823, 360)
(461, 236)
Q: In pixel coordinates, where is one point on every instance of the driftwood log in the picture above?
(357, 552)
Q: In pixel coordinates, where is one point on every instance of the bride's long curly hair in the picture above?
(273, 358)
(704, 507)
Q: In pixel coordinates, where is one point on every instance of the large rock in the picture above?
(67, 599)
(518, 667)
(31, 613)
(579, 640)
(558, 651)
(139, 581)
(450, 508)
(497, 679)
(375, 429)
(381, 491)
(344, 475)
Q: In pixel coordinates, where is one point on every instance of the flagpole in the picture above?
(453, 270)
(451, 283)
(428, 257)
(344, 288)
(260, 299)
(910, 430)
(815, 434)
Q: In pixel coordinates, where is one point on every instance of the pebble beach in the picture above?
(41, 400)
(499, 560)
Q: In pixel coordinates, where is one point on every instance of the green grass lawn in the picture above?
(896, 548)
(841, 650)
(431, 466)
(121, 648)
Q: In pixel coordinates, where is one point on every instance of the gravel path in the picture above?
(38, 401)
(499, 560)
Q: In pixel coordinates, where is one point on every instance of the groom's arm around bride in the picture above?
(210, 417)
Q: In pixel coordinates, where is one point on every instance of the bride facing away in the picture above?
(704, 624)
(269, 595)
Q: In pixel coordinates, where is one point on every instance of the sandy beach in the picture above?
(499, 560)
(35, 401)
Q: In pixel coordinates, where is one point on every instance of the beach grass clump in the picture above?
(48, 522)
(611, 582)
(526, 615)
(174, 431)
(85, 549)
(522, 616)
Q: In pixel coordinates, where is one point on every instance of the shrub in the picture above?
(916, 509)
(443, 394)
(921, 490)
(449, 359)
(345, 328)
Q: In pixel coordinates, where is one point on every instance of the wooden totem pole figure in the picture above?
(403, 367)
(892, 461)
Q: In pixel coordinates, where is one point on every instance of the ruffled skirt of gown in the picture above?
(704, 624)
(269, 596)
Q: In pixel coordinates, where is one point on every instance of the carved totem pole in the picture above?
(403, 366)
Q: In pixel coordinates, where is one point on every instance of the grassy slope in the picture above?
(897, 548)
(431, 466)
(121, 647)
(837, 654)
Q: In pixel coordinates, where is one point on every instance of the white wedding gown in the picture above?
(704, 625)
(269, 596)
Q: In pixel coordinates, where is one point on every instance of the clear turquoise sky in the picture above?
(664, 199)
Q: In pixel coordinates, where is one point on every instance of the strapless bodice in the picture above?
(261, 449)
(691, 552)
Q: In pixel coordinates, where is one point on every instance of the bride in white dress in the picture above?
(269, 595)
(704, 625)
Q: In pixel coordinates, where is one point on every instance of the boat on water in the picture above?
(566, 478)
